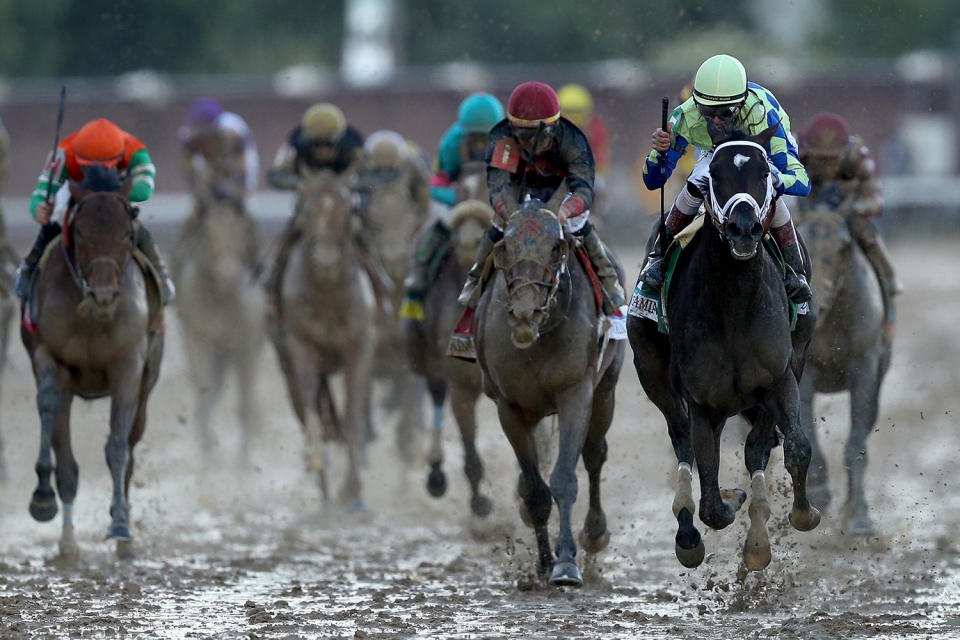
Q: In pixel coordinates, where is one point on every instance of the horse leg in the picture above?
(436, 479)
(573, 409)
(409, 389)
(783, 404)
(864, 404)
(125, 404)
(216, 367)
(464, 403)
(50, 402)
(125, 547)
(249, 407)
(717, 509)
(305, 383)
(67, 475)
(760, 441)
(594, 537)
(532, 489)
(818, 489)
(359, 369)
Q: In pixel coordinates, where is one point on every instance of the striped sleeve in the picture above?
(57, 162)
(784, 155)
(653, 178)
(143, 174)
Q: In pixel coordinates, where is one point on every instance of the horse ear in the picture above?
(763, 138)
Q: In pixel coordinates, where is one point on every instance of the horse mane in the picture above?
(99, 177)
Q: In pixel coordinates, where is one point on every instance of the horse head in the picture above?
(224, 230)
(831, 249)
(327, 219)
(532, 257)
(103, 238)
(740, 192)
(469, 221)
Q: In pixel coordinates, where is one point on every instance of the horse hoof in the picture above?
(591, 544)
(862, 526)
(125, 550)
(119, 532)
(68, 551)
(805, 520)
(756, 555)
(481, 506)
(436, 481)
(566, 574)
(43, 509)
(691, 558)
(733, 498)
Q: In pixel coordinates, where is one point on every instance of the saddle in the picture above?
(651, 304)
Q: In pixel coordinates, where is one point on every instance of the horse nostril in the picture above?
(734, 228)
(757, 229)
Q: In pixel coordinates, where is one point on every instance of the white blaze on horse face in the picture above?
(739, 160)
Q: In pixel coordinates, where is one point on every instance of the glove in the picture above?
(777, 182)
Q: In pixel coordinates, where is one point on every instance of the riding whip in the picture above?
(56, 141)
(663, 179)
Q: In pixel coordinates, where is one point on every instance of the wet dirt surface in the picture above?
(227, 550)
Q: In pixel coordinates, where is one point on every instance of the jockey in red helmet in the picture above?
(562, 157)
(99, 142)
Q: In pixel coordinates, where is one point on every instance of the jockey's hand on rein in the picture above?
(43, 212)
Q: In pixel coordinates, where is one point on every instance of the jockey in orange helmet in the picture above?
(103, 143)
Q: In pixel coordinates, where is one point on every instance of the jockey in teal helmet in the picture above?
(465, 141)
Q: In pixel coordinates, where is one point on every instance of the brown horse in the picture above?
(98, 333)
(325, 324)
(426, 351)
(536, 331)
(221, 309)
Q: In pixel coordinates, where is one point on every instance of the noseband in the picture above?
(554, 271)
(77, 270)
(721, 214)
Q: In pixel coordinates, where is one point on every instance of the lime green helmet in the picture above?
(479, 112)
(720, 80)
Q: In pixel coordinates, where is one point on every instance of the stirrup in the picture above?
(652, 273)
(470, 295)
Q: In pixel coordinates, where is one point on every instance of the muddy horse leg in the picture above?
(864, 404)
(67, 474)
(717, 509)
(436, 479)
(50, 380)
(573, 409)
(464, 404)
(359, 369)
(594, 537)
(818, 489)
(783, 403)
(125, 547)
(760, 441)
(534, 492)
(125, 394)
(216, 370)
(305, 383)
(249, 407)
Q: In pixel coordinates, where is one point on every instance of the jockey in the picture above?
(843, 175)
(218, 151)
(576, 104)
(388, 156)
(464, 142)
(323, 141)
(97, 142)
(721, 92)
(562, 156)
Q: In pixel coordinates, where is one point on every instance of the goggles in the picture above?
(527, 134)
(722, 111)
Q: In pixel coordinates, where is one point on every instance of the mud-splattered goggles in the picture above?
(722, 111)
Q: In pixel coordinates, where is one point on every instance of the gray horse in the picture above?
(537, 329)
(325, 324)
(221, 309)
(849, 352)
(426, 351)
(98, 333)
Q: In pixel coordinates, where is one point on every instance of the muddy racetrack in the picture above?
(226, 551)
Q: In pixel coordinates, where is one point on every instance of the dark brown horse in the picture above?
(730, 351)
(426, 351)
(537, 331)
(848, 353)
(98, 333)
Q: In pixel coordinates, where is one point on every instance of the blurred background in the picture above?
(889, 68)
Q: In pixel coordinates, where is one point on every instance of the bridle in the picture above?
(762, 211)
(554, 272)
(77, 271)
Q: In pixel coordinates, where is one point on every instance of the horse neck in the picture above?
(724, 278)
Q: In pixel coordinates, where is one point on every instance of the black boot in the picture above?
(149, 248)
(609, 279)
(433, 246)
(794, 280)
(470, 295)
(655, 271)
(25, 273)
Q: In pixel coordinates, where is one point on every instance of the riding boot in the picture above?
(472, 289)
(427, 254)
(794, 280)
(613, 297)
(655, 271)
(868, 237)
(149, 248)
(25, 273)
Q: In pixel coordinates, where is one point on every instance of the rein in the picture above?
(77, 271)
(515, 283)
